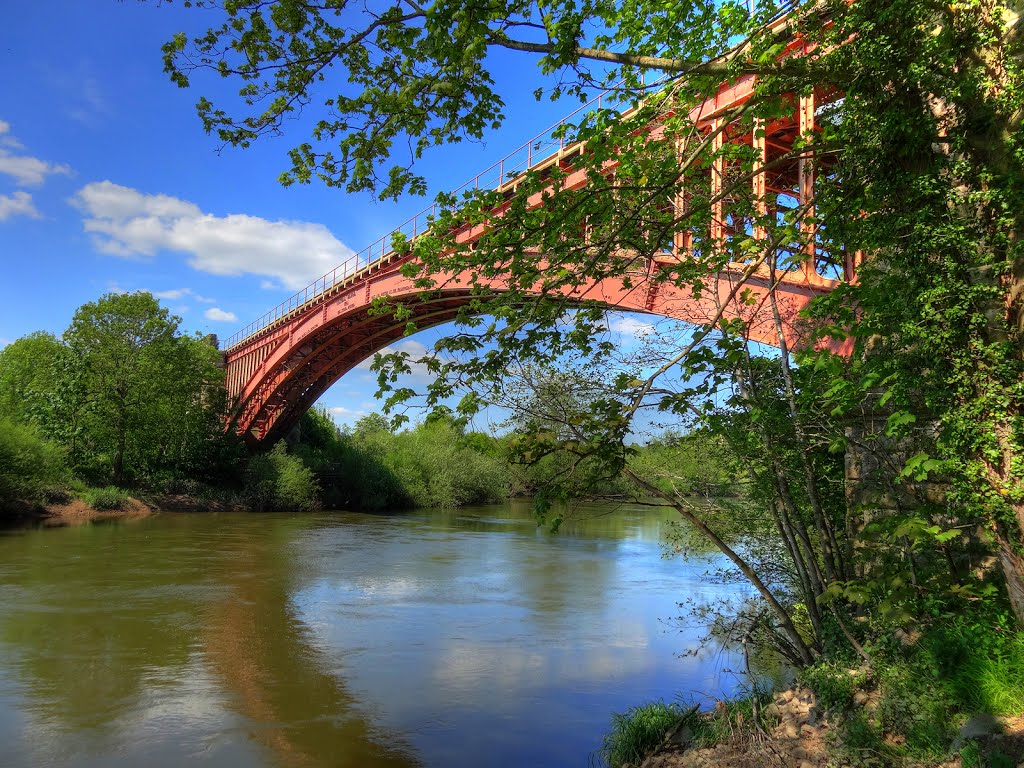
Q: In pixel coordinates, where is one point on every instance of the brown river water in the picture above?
(441, 638)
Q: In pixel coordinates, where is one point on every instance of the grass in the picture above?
(962, 666)
(640, 730)
(637, 732)
(104, 499)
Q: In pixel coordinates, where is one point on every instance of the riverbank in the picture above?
(77, 511)
(793, 732)
(790, 733)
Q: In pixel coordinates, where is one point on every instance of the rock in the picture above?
(681, 737)
(979, 726)
(773, 710)
(789, 730)
(908, 638)
(860, 698)
(806, 731)
(807, 764)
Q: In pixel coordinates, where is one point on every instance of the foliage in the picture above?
(434, 464)
(835, 682)
(38, 386)
(279, 481)
(127, 396)
(697, 464)
(925, 685)
(919, 162)
(104, 499)
(32, 469)
(151, 396)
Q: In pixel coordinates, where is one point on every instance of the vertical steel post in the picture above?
(760, 142)
(717, 186)
(684, 237)
(805, 184)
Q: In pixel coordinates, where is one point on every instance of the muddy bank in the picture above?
(77, 512)
(798, 739)
(181, 502)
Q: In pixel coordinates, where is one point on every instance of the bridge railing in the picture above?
(536, 151)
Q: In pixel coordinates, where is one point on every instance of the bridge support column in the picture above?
(805, 187)
(718, 186)
(760, 181)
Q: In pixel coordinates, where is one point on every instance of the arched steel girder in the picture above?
(295, 396)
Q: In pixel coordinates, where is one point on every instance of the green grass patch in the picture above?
(105, 499)
(922, 693)
(637, 732)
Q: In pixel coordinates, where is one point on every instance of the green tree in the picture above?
(31, 467)
(152, 397)
(39, 386)
(920, 167)
(279, 481)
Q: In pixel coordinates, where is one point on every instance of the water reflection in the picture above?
(439, 638)
(167, 639)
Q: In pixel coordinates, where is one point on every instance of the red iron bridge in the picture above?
(280, 364)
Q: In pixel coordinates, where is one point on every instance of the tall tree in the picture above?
(919, 159)
(152, 397)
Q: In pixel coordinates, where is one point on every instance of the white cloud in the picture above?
(630, 325)
(218, 315)
(128, 223)
(347, 413)
(182, 293)
(4, 342)
(18, 204)
(415, 350)
(6, 140)
(28, 171)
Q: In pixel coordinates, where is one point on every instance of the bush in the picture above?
(436, 468)
(958, 667)
(107, 498)
(278, 481)
(32, 469)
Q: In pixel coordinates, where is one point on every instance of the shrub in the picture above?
(32, 469)
(279, 481)
(107, 498)
(437, 469)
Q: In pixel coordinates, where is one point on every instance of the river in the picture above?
(435, 638)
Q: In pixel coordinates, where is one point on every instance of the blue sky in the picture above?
(108, 183)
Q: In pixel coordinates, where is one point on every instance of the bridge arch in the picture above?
(277, 374)
(283, 362)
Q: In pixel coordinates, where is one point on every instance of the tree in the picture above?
(152, 398)
(39, 386)
(919, 165)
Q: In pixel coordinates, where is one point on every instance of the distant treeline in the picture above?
(124, 399)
